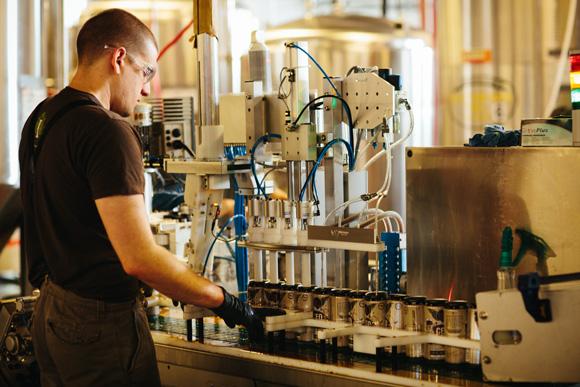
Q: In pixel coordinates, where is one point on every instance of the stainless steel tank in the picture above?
(497, 63)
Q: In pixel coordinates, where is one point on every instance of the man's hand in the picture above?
(236, 312)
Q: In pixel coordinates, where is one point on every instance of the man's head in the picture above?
(127, 48)
(115, 28)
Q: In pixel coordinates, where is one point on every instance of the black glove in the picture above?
(236, 312)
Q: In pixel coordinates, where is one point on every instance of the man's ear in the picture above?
(117, 59)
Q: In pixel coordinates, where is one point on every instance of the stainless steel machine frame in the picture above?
(460, 199)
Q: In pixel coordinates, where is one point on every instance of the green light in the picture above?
(575, 95)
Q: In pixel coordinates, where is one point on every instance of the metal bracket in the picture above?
(529, 286)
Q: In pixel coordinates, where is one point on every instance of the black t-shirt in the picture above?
(89, 153)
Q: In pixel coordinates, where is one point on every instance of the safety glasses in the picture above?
(148, 69)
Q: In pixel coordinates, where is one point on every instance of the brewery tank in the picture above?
(341, 41)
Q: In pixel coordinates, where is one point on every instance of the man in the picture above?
(86, 232)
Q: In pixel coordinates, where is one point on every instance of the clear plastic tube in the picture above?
(506, 278)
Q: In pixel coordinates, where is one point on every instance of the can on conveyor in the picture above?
(288, 296)
(413, 312)
(305, 298)
(455, 322)
(394, 316)
(272, 291)
(376, 308)
(340, 310)
(322, 305)
(357, 313)
(433, 324)
(256, 293)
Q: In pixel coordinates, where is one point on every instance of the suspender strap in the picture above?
(34, 142)
(32, 130)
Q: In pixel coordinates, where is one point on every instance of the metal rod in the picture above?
(207, 79)
(559, 278)
(289, 268)
(189, 327)
(200, 337)
(306, 270)
(273, 261)
(309, 167)
(292, 194)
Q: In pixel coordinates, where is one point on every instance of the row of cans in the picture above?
(377, 308)
(441, 317)
(327, 303)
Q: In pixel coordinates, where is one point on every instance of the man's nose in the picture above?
(146, 89)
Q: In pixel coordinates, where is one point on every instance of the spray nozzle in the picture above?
(507, 245)
(529, 241)
(532, 241)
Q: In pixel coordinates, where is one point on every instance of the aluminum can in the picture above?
(472, 356)
(305, 298)
(394, 316)
(455, 321)
(413, 317)
(256, 295)
(341, 305)
(376, 308)
(357, 310)
(433, 313)
(288, 296)
(273, 294)
(340, 311)
(357, 313)
(322, 302)
(304, 303)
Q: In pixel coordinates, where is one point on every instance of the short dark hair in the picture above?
(116, 28)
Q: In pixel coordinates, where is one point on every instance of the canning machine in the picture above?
(304, 235)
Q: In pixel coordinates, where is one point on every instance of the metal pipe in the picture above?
(309, 193)
(291, 189)
(62, 54)
(35, 40)
(299, 87)
(207, 80)
(9, 126)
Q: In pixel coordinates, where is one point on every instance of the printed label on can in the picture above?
(273, 297)
(256, 296)
(455, 325)
(434, 320)
(434, 325)
(375, 313)
(357, 313)
(322, 307)
(288, 300)
(394, 315)
(342, 309)
(413, 317)
(305, 302)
